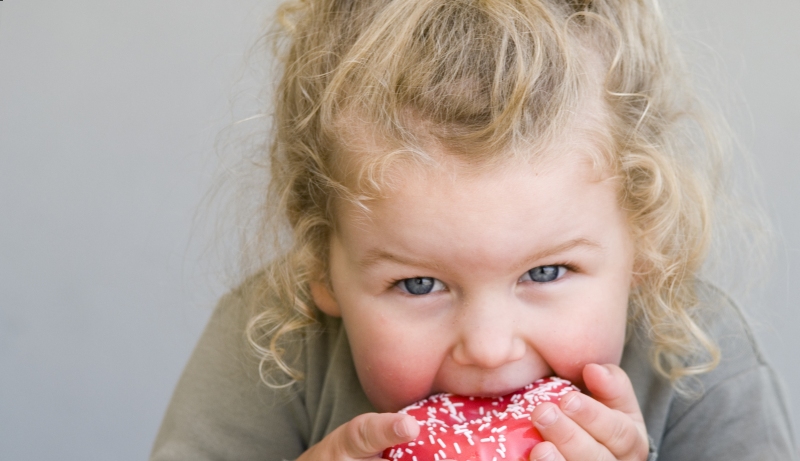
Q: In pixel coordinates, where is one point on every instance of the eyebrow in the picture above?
(561, 248)
(375, 255)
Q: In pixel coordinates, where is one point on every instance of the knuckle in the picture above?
(564, 435)
(356, 440)
(623, 436)
(591, 415)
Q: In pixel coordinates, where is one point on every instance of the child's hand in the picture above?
(363, 437)
(609, 426)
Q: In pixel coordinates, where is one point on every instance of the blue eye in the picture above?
(420, 285)
(543, 274)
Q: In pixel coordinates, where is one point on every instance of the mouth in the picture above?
(498, 382)
(487, 390)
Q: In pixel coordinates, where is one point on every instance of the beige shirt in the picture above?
(221, 411)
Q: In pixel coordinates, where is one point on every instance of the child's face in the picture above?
(480, 284)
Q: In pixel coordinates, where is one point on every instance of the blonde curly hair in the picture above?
(483, 77)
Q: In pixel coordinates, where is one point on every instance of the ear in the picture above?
(324, 299)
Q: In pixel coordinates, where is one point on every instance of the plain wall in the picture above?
(109, 115)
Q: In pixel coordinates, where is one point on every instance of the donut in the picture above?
(478, 428)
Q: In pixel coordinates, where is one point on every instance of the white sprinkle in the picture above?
(494, 459)
(501, 429)
(412, 444)
(502, 453)
(422, 442)
(441, 453)
(480, 410)
(488, 439)
(441, 443)
(430, 437)
(502, 447)
(414, 458)
(442, 429)
(391, 453)
(435, 457)
(458, 449)
(409, 451)
(399, 454)
(470, 441)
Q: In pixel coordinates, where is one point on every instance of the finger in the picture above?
(369, 434)
(545, 451)
(618, 432)
(569, 439)
(610, 385)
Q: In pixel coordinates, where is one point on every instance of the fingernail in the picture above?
(573, 404)
(549, 456)
(401, 428)
(547, 418)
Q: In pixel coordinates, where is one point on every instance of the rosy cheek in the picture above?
(395, 368)
(567, 354)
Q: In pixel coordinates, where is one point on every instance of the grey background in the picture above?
(109, 117)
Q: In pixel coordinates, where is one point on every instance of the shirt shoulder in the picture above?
(740, 409)
(735, 411)
(221, 409)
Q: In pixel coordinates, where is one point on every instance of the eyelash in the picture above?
(566, 267)
(394, 283)
(570, 268)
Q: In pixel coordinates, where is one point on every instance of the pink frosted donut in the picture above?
(477, 428)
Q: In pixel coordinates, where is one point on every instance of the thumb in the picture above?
(369, 434)
(610, 385)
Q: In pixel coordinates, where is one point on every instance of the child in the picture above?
(480, 194)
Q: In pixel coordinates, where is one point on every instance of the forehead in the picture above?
(375, 174)
(372, 167)
(457, 191)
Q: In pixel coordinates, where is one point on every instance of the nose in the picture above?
(488, 337)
